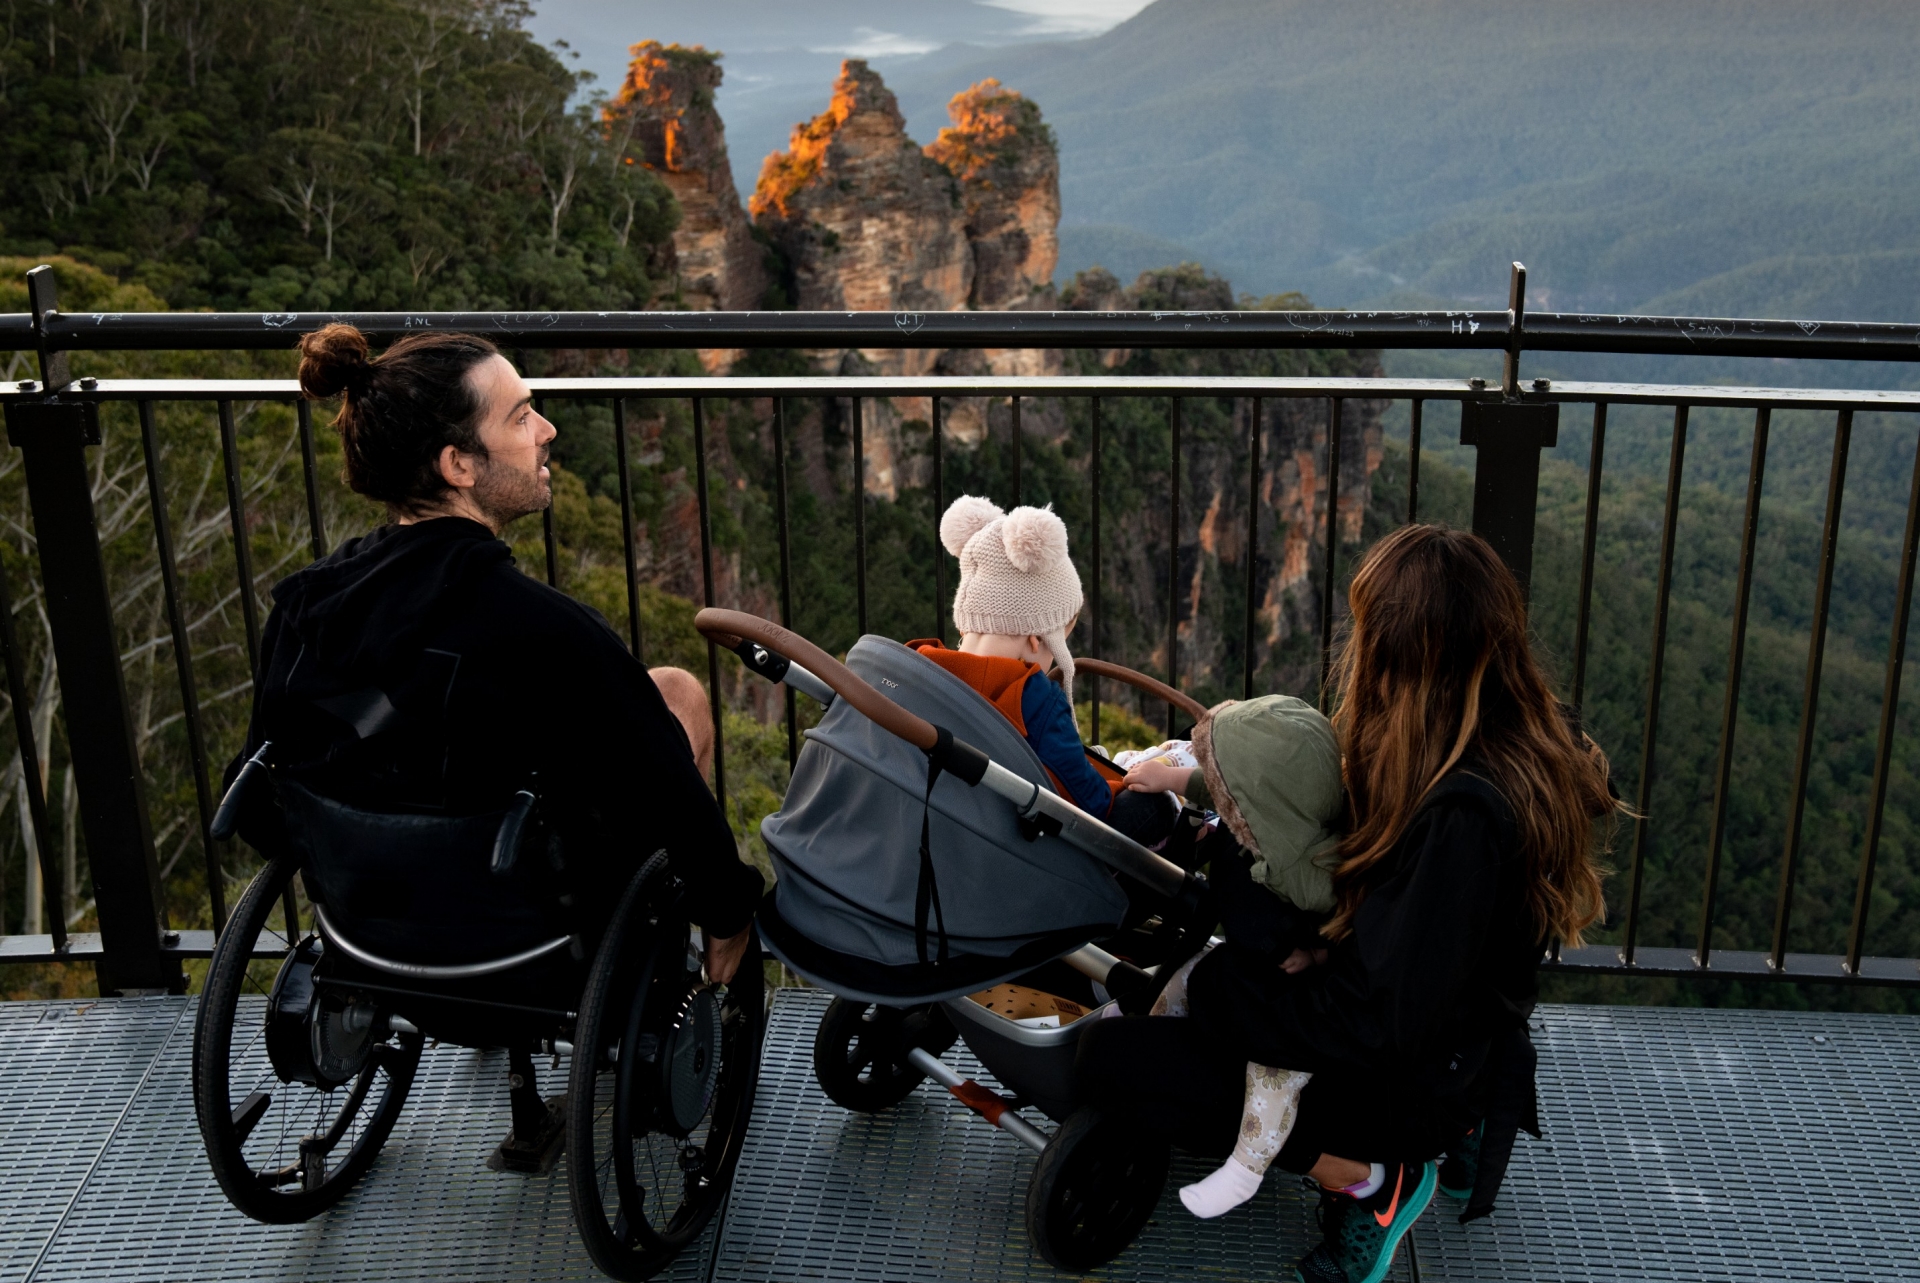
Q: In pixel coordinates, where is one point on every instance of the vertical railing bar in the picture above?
(1736, 663)
(706, 589)
(859, 519)
(546, 520)
(627, 537)
(1253, 542)
(303, 416)
(242, 547)
(1173, 560)
(1093, 624)
(50, 882)
(786, 562)
(183, 664)
(1334, 408)
(1676, 462)
(1015, 403)
(1816, 654)
(939, 510)
(1883, 742)
(1413, 463)
(1596, 455)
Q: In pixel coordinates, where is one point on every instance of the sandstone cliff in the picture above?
(1009, 173)
(866, 220)
(665, 106)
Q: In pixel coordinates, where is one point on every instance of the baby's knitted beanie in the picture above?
(1015, 575)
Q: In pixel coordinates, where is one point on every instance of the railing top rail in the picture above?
(1064, 386)
(1464, 330)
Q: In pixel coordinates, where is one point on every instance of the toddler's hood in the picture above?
(1272, 766)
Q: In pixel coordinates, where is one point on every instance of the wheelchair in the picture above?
(468, 931)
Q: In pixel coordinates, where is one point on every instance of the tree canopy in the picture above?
(287, 155)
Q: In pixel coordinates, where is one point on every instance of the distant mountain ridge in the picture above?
(1747, 156)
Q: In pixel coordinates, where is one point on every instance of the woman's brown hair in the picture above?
(399, 409)
(1436, 669)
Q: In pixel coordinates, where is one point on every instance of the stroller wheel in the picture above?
(1093, 1190)
(860, 1051)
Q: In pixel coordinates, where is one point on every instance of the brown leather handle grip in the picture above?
(1140, 681)
(729, 627)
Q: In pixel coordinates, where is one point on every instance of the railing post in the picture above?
(1506, 476)
(53, 435)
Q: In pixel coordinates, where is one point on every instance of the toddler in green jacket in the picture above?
(1271, 768)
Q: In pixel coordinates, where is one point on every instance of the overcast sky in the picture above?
(600, 30)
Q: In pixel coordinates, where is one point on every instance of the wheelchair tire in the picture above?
(654, 1127)
(276, 1146)
(1094, 1189)
(860, 1051)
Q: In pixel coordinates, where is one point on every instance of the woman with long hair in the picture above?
(1471, 844)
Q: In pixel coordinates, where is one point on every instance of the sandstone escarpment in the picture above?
(866, 220)
(665, 107)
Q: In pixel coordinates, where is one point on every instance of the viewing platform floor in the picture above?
(1681, 1144)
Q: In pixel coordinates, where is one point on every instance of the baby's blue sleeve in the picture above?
(1051, 731)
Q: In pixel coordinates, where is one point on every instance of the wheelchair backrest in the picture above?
(421, 888)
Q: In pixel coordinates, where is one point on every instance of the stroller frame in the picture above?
(1095, 1184)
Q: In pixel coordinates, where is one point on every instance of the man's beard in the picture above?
(504, 493)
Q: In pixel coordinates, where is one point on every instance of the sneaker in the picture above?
(1360, 1235)
(1461, 1165)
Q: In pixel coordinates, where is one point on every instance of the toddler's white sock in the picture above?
(1230, 1185)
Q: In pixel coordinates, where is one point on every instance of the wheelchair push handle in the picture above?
(506, 843)
(226, 819)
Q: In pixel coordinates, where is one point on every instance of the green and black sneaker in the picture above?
(1461, 1165)
(1359, 1236)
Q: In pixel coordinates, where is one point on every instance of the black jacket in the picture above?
(415, 669)
(1442, 961)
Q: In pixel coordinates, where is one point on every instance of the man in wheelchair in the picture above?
(415, 669)
(503, 826)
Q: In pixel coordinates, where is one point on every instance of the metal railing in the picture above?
(52, 420)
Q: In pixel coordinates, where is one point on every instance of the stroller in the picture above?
(923, 949)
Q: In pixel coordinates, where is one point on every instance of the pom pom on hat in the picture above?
(966, 517)
(1035, 539)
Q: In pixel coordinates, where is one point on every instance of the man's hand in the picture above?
(1157, 776)
(723, 956)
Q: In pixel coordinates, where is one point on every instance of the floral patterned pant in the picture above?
(1273, 1095)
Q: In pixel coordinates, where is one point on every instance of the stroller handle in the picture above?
(1141, 682)
(731, 627)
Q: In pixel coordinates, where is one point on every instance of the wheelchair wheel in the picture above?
(860, 1051)
(1093, 1191)
(295, 1088)
(660, 1087)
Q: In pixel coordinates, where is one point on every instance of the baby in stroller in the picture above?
(1269, 766)
(1018, 598)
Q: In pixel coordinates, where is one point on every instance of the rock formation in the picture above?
(867, 221)
(666, 108)
(1008, 168)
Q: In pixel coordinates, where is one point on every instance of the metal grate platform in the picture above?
(1682, 1145)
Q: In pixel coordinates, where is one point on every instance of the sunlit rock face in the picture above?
(666, 103)
(867, 221)
(1008, 168)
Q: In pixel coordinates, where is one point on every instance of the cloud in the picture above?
(1071, 17)
(869, 43)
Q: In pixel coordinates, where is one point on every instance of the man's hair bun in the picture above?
(333, 360)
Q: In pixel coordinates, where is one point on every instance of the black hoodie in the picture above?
(415, 669)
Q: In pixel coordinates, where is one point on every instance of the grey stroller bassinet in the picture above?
(923, 859)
